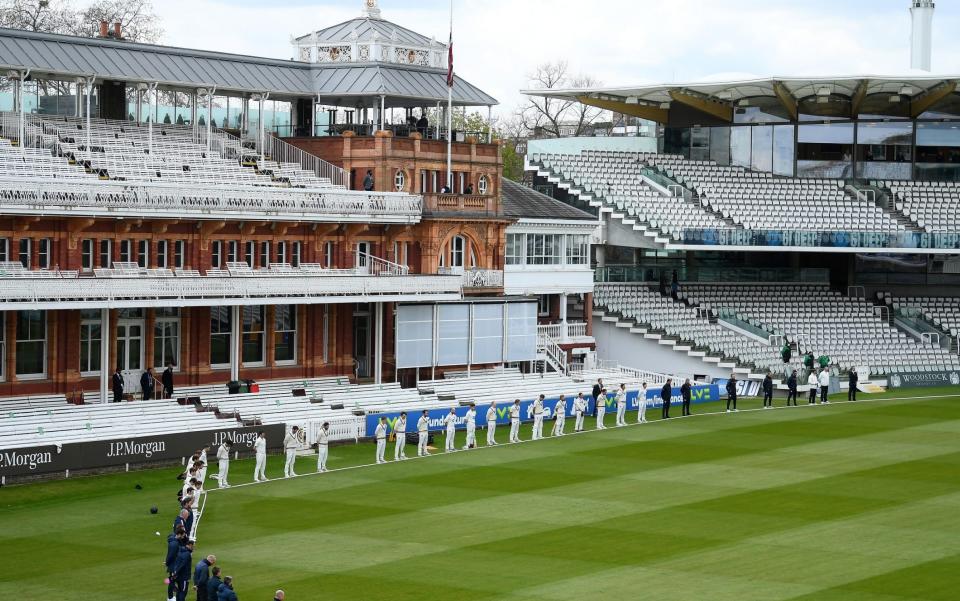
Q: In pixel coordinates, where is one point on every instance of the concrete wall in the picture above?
(633, 350)
(578, 145)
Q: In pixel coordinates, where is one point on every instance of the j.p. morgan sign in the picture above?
(51, 458)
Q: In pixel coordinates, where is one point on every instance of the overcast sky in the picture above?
(620, 42)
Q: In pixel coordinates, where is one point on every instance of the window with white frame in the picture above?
(281, 252)
(578, 249)
(515, 246)
(3, 345)
(4, 250)
(543, 305)
(162, 253)
(86, 254)
(253, 335)
(423, 181)
(43, 253)
(265, 254)
(125, 251)
(25, 247)
(285, 334)
(232, 250)
(483, 184)
(248, 250)
(544, 249)
(166, 337)
(328, 255)
(143, 253)
(179, 253)
(91, 338)
(458, 247)
(220, 336)
(216, 254)
(400, 180)
(106, 253)
(31, 345)
(295, 256)
(400, 253)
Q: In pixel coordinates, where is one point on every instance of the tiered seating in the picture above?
(615, 180)
(943, 312)
(760, 201)
(933, 206)
(37, 162)
(821, 320)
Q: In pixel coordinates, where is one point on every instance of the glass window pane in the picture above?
(783, 149)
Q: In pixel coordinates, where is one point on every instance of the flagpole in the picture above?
(450, 107)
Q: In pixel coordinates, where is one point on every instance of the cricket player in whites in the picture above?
(622, 405)
(290, 444)
(223, 461)
(471, 419)
(515, 421)
(579, 409)
(492, 425)
(538, 418)
(560, 415)
(322, 446)
(450, 421)
(423, 434)
(642, 404)
(400, 433)
(260, 447)
(601, 409)
(381, 435)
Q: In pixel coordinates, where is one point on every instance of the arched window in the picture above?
(483, 184)
(457, 247)
(400, 180)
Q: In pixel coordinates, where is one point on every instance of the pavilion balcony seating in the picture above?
(933, 206)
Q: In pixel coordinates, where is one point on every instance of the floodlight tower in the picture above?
(921, 15)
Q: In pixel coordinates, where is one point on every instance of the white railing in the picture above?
(282, 152)
(633, 373)
(556, 330)
(477, 278)
(33, 195)
(377, 266)
(555, 355)
(577, 329)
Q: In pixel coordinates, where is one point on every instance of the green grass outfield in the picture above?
(846, 502)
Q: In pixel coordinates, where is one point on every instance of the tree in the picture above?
(554, 117)
(512, 160)
(136, 17)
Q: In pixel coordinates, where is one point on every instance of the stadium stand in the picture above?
(941, 312)
(932, 206)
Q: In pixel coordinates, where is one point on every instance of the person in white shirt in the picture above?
(423, 434)
(814, 383)
(381, 435)
(492, 425)
(621, 398)
(601, 409)
(471, 421)
(642, 404)
(203, 468)
(223, 461)
(260, 448)
(515, 421)
(824, 386)
(559, 416)
(290, 445)
(322, 446)
(538, 418)
(450, 421)
(400, 433)
(579, 409)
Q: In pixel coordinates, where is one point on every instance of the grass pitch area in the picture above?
(848, 502)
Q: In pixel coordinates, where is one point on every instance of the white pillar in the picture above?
(209, 117)
(193, 113)
(106, 336)
(263, 155)
(235, 342)
(489, 124)
(378, 345)
(89, 89)
(152, 103)
(921, 34)
(22, 124)
(563, 317)
(383, 108)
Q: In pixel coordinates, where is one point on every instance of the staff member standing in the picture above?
(559, 416)
(492, 425)
(290, 444)
(117, 386)
(166, 378)
(732, 392)
(260, 448)
(223, 462)
(323, 442)
(597, 391)
(813, 382)
(601, 409)
(423, 434)
(685, 391)
(146, 384)
(579, 409)
(471, 420)
(381, 435)
(792, 388)
(450, 421)
(201, 575)
(642, 404)
(538, 418)
(182, 568)
(852, 390)
(767, 386)
(824, 386)
(621, 398)
(666, 394)
(515, 421)
(400, 433)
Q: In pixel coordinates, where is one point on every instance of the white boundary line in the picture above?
(203, 504)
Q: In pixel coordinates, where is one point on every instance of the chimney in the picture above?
(104, 29)
(117, 31)
(921, 34)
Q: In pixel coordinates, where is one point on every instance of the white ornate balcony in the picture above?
(78, 197)
(476, 278)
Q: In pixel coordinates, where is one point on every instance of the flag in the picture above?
(450, 62)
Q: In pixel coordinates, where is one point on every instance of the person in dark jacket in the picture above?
(423, 125)
(368, 181)
(685, 395)
(852, 391)
(182, 569)
(597, 390)
(666, 393)
(181, 520)
(201, 574)
(117, 386)
(174, 543)
(792, 388)
(732, 392)
(213, 584)
(225, 592)
(767, 387)
(146, 383)
(167, 380)
(279, 595)
(786, 353)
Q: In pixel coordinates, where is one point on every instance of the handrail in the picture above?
(378, 266)
(553, 351)
(282, 152)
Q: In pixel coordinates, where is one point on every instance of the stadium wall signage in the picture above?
(52, 458)
(699, 394)
(924, 379)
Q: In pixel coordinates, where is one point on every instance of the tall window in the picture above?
(328, 255)
(543, 305)
(248, 250)
(179, 254)
(90, 341)
(264, 254)
(216, 254)
(166, 337)
(515, 244)
(3, 345)
(253, 335)
(86, 254)
(31, 344)
(143, 248)
(281, 252)
(578, 249)
(125, 251)
(220, 335)
(458, 247)
(162, 254)
(285, 334)
(295, 258)
(401, 253)
(43, 253)
(232, 249)
(4, 250)
(25, 244)
(106, 253)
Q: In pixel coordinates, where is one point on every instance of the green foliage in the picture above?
(512, 161)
